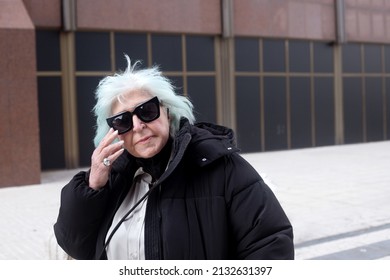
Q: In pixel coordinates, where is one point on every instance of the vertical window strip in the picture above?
(312, 96)
(384, 104)
(112, 51)
(184, 64)
(261, 79)
(288, 98)
(363, 85)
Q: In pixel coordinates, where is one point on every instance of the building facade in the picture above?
(283, 74)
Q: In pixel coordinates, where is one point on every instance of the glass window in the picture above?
(200, 53)
(201, 91)
(167, 52)
(374, 109)
(93, 51)
(324, 111)
(248, 114)
(300, 104)
(372, 58)
(388, 108)
(352, 62)
(247, 54)
(86, 87)
(51, 123)
(353, 111)
(134, 45)
(274, 56)
(323, 57)
(275, 116)
(299, 56)
(387, 59)
(177, 82)
(48, 50)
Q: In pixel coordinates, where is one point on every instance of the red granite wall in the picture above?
(195, 16)
(301, 19)
(368, 21)
(19, 132)
(365, 21)
(44, 13)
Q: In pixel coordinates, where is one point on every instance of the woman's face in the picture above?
(145, 140)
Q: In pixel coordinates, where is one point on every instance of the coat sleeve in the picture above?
(259, 225)
(80, 216)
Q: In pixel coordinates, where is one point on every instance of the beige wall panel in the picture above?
(195, 16)
(283, 18)
(44, 13)
(19, 129)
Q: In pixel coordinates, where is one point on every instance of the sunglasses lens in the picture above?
(122, 123)
(148, 112)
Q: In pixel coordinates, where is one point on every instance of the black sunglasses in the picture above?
(146, 112)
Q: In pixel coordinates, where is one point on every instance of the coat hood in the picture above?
(209, 142)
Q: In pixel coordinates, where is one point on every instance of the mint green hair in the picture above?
(119, 86)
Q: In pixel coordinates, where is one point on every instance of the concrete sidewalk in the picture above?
(337, 198)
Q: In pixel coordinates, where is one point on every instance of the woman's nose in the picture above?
(137, 123)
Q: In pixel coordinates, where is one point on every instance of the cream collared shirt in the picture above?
(127, 242)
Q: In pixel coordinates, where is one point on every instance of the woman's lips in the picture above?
(143, 140)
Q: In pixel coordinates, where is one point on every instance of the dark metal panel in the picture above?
(248, 114)
(200, 53)
(300, 104)
(167, 52)
(374, 109)
(387, 95)
(372, 58)
(134, 45)
(177, 82)
(51, 129)
(201, 91)
(299, 56)
(48, 50)
(352, 60)
(247, 54)
(93, 51)
(275, 115)
(323, 57)
(274, 55)
(324, 111)
(86, 120)
(387, 59)
(353, 111)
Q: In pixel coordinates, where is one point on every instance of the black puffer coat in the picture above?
(209, 204)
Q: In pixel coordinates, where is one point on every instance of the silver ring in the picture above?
(106, 162)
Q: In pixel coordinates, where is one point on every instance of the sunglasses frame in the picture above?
(136, 112)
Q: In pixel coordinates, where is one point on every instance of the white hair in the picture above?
(114, 88)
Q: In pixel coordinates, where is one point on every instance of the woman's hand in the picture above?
(106, 151)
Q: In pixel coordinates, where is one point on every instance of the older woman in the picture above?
(160, 187)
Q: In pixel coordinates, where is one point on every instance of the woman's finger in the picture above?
(108, 139)
(111, 149)
(115, 155)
